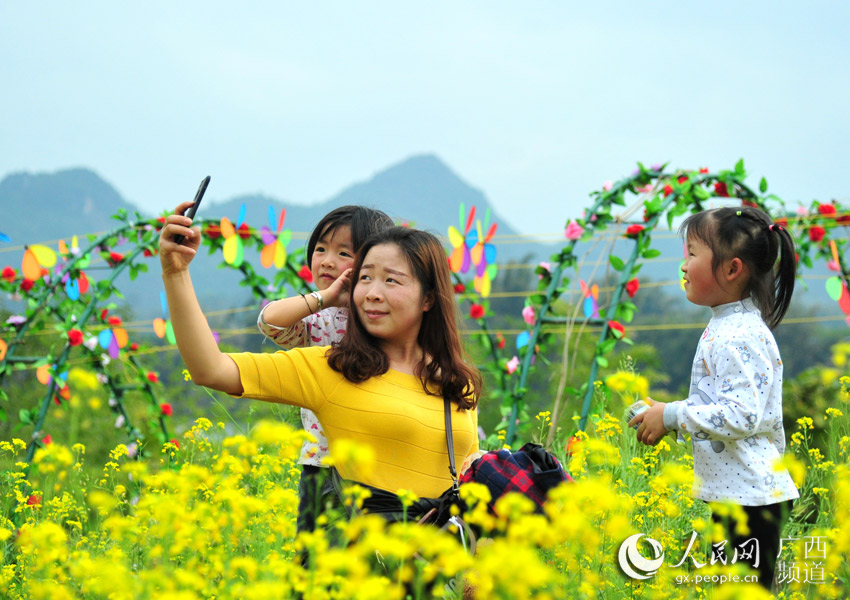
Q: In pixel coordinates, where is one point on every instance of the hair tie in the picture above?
(774, 227)
(738, 213)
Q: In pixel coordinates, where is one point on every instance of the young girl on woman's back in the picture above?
(743, 266)
(321, 319)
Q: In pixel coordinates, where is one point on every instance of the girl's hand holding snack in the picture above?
(650, 423)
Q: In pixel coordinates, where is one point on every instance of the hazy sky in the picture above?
(534, 103)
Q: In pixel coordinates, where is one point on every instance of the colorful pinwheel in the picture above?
(43, 375)
(591, 300)
(275, 240)
(474, 248)
(114, 338)
(74, 287)
(234, 251)
(162, 327)
(36, 256)
(836, 287)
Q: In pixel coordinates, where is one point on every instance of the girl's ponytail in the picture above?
(786, 274)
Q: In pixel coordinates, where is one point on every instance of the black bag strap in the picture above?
(450, 444)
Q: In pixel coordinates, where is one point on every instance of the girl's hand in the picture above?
(336, 294)
(650, 424)
(174, 257)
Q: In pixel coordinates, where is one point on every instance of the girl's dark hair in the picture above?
(362, 221)
(766, 248)
(358, 356)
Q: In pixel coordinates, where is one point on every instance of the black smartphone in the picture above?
(179, 239)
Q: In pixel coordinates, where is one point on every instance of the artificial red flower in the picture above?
(306, 274)
(152, 377)
(75, 337)
(459, 288)
(749, 203)
(103, 314)
(843, 219)
(134, 346)
(668, 189)
(632, 287)
(115, 258)
(47, 440)
(682, 178)
(816, 233)
(703, 169)
(720, 189)
(9, 274)
(26, 285)
(34, 500)
(175, 442)
(213, 231)
(781, 221)
(476, 311)
(244, 231)
(149, 253)
(161, 221)
(114, 320)
(617, 326)
(500, 341)
(633, 230)
(165, 409)
(827, 209)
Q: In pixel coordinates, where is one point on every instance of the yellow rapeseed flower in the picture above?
(794, 466)
(804, 423)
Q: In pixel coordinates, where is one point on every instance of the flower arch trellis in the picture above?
(659, 193)
(53, 302)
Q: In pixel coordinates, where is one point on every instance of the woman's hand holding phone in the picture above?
(173, 256)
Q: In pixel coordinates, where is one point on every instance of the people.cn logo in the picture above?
(634, 564)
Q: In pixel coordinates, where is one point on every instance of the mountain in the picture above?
(420, 190)
(48, 206)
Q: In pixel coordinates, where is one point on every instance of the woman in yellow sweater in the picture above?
(382, 386)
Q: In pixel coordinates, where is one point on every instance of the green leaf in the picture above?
(625, 313)
(763, 185)
(606, 346)
(651, 253)
(653, 205)
(602, 361)
(701, 193)
(24, 416)
(739, 169)
(617, 263)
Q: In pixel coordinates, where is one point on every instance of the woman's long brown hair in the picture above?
(359, 356)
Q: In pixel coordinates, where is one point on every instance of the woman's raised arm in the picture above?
(208, 366)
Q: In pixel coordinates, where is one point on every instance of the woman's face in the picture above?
(388, 296)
